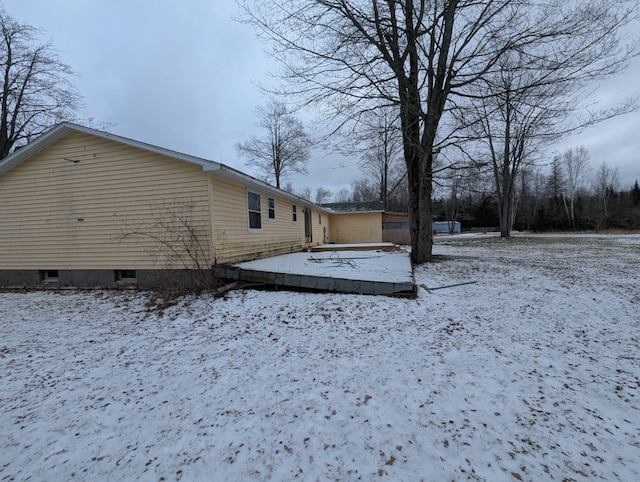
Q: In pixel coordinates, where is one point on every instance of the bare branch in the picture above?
(284, 149)
(35, 90)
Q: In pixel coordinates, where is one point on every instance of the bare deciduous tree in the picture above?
(532, 183)
(288, 187)
(380, 140)
(322, 195)
(284, 150)
(363, 190)
(575, 165)
(605, 184)
(462, 183)
(527, 101)
(343, 196)
(305, 193)
(35, 90)
(416, 55)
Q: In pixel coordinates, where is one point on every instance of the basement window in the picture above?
(49, 275)
(125, 275)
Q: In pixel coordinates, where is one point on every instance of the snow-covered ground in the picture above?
(532, 373)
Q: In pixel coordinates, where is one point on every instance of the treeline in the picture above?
(570, 196)
(547, 211)
(565, 195)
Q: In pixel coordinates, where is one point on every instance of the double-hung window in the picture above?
(272, 208)
(294, 213)
(254, 211)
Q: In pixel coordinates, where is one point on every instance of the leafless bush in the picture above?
(179, 241)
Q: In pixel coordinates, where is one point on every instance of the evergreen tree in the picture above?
(635, 194)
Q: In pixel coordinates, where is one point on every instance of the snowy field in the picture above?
(532, 373)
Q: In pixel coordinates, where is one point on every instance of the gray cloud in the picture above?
(182, 75)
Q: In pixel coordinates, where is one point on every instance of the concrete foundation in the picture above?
(144, 278)
(316, 283)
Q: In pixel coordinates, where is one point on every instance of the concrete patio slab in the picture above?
(355, 247)
(375, 272)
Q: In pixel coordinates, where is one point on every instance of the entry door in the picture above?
(307, 225)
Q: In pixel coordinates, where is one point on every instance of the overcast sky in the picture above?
(181, 75)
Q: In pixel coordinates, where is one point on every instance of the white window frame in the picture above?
(249, 211)
(294, 213)
(271, 209)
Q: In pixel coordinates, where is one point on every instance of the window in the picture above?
(254, 211)
(272, 208)
(125, 275)
(49, 276)
(294, 213)
(319, 218)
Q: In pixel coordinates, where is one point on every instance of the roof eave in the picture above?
(65, 128)
(359, 212)
(32, 148)
(238, 176)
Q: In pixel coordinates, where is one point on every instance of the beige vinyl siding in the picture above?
(394, 232)
(395, 218)
(232, 238)
(356, 228)
(319, 229)
(56, 213)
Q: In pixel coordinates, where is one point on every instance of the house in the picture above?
(356, 222)
(395, 228)
(369, 222)
(83, 207)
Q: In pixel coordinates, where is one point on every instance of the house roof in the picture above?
(355, 207)
(65, 128)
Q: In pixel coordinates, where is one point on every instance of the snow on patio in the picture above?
(355, 265)
(346, 271)
(532, 373)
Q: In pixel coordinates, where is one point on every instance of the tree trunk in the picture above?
(505, 218)
(425, 235)
(412, 156)
(507, 173)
